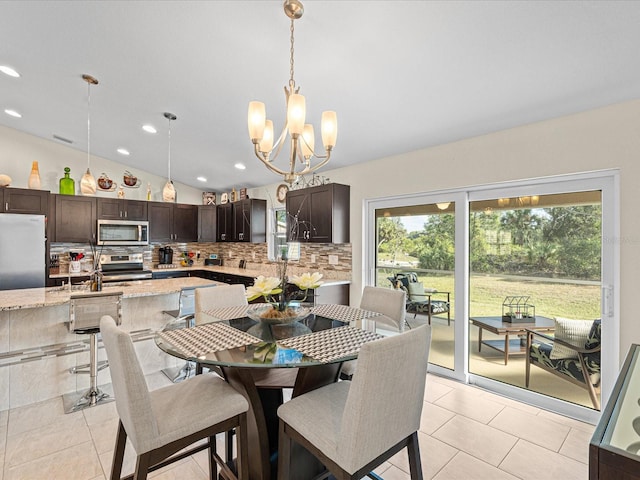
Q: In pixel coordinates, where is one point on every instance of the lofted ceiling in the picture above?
(401, 75)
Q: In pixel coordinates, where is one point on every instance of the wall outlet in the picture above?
(333, 259)
(313, 258)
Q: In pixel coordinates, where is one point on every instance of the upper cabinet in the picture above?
(74, 219)
(207, 223)
(119, 209)
(224, 222)
(21, 200)
(172, 222)
(319, 214)
(250, 220)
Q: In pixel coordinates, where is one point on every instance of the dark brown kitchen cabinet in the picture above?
(319, 214)
(22, 200)
(250, 220)
(172, 222)
(185, 223)
(75, 219)
(118, 209)
(224, 222)
(206, 223)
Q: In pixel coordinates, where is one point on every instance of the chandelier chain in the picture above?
(88, 124)
(291, 80)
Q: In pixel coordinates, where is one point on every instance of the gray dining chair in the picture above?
(220, 296)
(150, 420)
(349, 440)
(390, 303)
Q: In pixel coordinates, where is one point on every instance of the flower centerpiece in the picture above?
(283, 301)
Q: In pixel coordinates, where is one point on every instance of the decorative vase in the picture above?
(34, 177)
(67, 184)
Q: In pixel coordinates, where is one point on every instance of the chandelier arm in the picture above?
(277, 147)
(267, 163)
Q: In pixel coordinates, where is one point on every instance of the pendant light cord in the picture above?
(88, 124)
(169, 162)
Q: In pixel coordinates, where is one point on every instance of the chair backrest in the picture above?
(385, 367)
(129, 386)
(389, 302)
(220, 296)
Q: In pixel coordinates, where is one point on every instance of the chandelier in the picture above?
(301, 135)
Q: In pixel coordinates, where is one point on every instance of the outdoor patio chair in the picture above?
(419, 298)
(570, 354)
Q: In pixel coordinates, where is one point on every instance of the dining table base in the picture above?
(263, 389)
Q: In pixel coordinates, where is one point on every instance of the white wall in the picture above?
(18, 150)
(600, 139)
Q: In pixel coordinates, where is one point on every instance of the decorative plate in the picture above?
(224, 198)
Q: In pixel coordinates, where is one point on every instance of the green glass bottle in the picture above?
(67, 184)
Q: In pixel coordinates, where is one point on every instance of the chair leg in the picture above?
(242, 449)
(589, 385)
(284, 453)
(143, 462)
(118, 454)
(527, 368)
(415, 465)
(213, 465)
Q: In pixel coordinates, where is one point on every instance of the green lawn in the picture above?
(488, 292)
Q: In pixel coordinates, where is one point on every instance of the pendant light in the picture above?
(169, 191)
(88, 181)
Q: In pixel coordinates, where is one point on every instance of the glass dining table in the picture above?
(262, 359)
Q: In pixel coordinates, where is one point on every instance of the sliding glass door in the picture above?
(539, 248)
(415, 251)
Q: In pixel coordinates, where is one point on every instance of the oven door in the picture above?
(123, 232)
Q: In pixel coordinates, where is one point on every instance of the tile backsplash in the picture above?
(313, 256)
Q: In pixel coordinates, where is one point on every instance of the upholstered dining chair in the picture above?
(349, 440)
(386, 301)
(150, 421)
(220, 296)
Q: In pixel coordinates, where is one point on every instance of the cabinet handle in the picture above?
(125, 214)
(6, 206)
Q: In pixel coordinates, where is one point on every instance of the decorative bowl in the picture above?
(264, 312)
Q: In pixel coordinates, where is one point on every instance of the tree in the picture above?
(391, 236)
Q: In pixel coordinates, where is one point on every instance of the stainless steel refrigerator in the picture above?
(22, 251)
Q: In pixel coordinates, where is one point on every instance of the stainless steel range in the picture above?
(117, 268)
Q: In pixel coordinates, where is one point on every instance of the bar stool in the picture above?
(184, 313)
(85, 312)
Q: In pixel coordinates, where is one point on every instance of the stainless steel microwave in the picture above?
(123, 232)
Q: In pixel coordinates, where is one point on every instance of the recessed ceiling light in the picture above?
(240, 166)
(9, 71)
(201, 179)
(123, 151)
(149, 129)
(13, 113)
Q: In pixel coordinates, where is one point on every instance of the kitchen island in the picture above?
(37, 349)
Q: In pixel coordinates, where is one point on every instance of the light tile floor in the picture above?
(465, 433)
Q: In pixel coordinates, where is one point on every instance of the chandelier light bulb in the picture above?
(329, 128)
(308, 141)
(256, 120)
(296, 111)
(266, 142)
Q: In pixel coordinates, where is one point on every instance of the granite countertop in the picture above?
(329, 278)
(268, 270)
(51, 296)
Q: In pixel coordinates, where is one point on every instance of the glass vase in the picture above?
(67, 184)
(34, 177)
